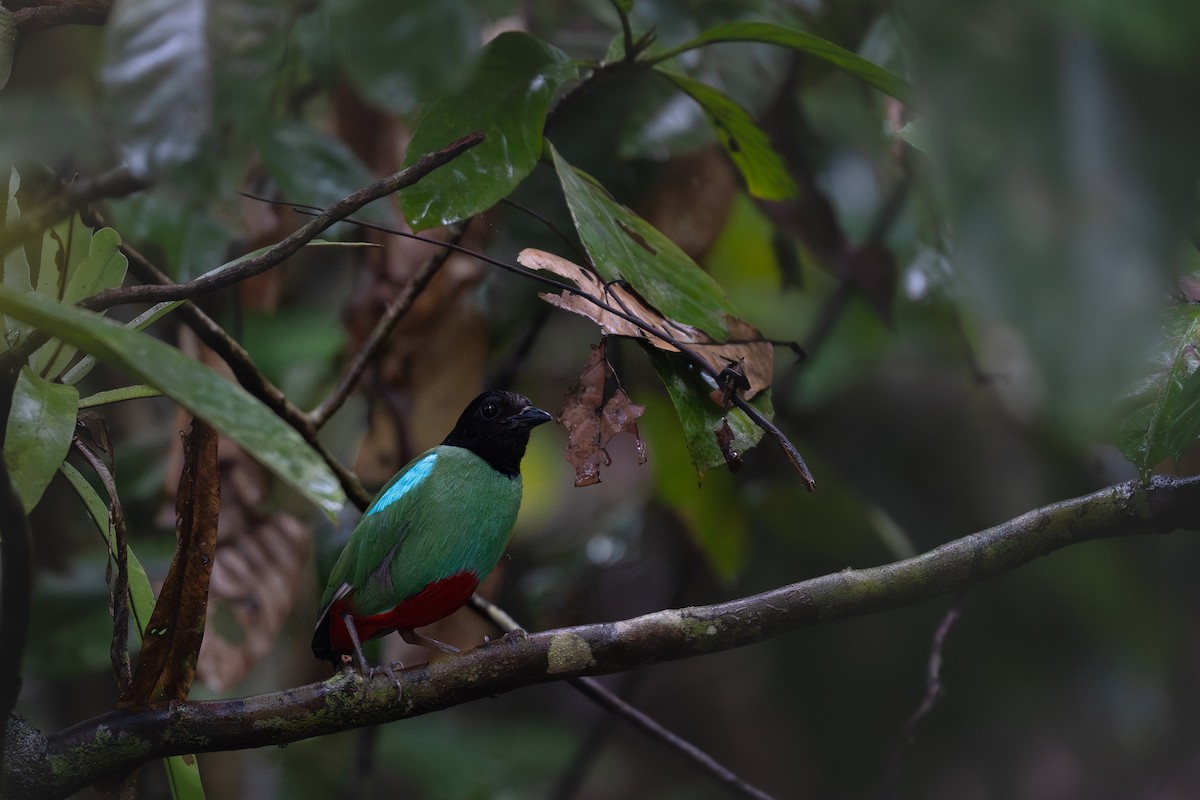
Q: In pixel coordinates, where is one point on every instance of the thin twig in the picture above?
(596, 691)
(599, 694)
(119, 650)
(933, 692)
(397, 307)
(292, 243)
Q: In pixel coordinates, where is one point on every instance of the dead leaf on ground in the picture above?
(746, 350)
(166, 664)
(597, 409)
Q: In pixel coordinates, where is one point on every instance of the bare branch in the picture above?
(933, 693)
(305, 234)
(117, 740)
(51, 13)
(118, 182)
(395, 311)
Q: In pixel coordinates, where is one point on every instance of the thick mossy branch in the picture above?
(120, 739)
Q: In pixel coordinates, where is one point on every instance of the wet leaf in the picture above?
(226, 406)
(39, 433)
(157, 75)
(596, 410)
(167, 661)
(506, 97)
(746, 350)
(702, 419)
(769, 33)
(748, 146)
(623, 246)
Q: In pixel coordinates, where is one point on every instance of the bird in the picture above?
(434, 531)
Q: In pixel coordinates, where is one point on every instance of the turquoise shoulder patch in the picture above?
(410, 480)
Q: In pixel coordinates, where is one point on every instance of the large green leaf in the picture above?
(623, 246)
(882, 79)
(1163, 416)
(766, 175)
(226, 406)
(158, 79)
(506, 97)
(39, 431)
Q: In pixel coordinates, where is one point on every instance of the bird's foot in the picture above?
(386, 669)
(515, 635)
(412, 637)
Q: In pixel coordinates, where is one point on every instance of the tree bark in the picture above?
(117, 740)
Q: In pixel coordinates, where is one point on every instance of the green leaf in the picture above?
(157, 75)
(315, 169)
(151, 315)
(226, 406)
(623, 246)
(748, 146)
(8, 44)
(400, 57)
(1163, 416)
(16, 265)
(103, 267)
(135, 392)
(882, 79)
(701, 417)
(506, 97)
(141, 595)
(39, 431)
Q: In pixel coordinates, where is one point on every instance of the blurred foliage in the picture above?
(977, 219)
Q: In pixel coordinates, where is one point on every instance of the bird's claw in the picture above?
(515, 635)
(385, 669)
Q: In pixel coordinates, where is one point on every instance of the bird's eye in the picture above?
(489, 410)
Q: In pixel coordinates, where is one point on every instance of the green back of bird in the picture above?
(456, 516)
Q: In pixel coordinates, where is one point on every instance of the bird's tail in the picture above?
(322, 647)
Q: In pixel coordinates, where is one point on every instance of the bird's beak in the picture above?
(531, 416)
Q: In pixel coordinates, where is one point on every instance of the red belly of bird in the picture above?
(437, 600)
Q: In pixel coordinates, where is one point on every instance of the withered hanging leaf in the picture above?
(592, 420)
(260, 566)
(725, 440)
(745, 350)
(166, 664)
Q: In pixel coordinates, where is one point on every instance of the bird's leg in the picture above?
(412, 637)
(363, 668)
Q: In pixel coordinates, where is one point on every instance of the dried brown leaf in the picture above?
(745, 350)
(725, 440)
(166, 664)
(592, 419)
